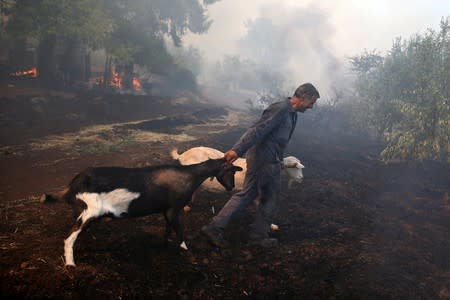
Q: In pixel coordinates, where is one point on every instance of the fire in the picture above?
(116, 81)
(136, 84)
(31, 72)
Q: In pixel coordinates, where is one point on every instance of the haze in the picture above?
(310, 40)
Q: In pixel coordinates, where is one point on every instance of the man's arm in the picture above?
(271, 118)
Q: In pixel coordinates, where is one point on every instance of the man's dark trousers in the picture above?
(262, 182)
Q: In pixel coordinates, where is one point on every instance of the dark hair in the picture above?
(306, 89)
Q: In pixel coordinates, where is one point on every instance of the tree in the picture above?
(6, 7)
(52, 21)
(190, 59)
(407, 95)
(131, 31)
(374, 107)
(366, 62)
(141, 25)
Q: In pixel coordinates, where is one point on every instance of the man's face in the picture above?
(306, 103)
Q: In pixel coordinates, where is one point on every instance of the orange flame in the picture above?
(136, 84)
(31, 72)
(117, 81)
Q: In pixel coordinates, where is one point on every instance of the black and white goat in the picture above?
(134, 192)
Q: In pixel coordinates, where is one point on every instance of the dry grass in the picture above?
(103, 138)
(117, 137)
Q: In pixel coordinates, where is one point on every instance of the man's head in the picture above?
(304, 97)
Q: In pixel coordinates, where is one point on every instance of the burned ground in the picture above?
(355, 228)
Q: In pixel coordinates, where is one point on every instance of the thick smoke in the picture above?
(307, 40)
(294, 43)
(298, 43)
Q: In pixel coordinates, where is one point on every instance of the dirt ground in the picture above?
(355, 228)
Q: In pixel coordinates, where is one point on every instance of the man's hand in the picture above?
(230, 156)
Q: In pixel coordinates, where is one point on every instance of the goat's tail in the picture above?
(68, 194)
(174, 153)
(79, 183)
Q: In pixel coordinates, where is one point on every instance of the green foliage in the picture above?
(129, 46)
(406, 97)
(6, 7)
(366, 62)
(178, 16)
(141, 24)
(183, 79)
(414, 137)
(131, 31)
(84, 20)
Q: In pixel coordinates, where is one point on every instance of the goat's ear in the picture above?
(237, 168)
(227, 166)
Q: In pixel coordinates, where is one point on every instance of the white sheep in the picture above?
(199, 154)
(294, 169)
(292, 166)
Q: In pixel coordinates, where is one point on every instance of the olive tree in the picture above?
(405, 96)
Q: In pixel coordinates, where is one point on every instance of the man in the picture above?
(264, 143)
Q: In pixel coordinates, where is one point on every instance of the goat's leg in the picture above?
(69, 242)
(172, 222)
(187, 208)
(179, 230)
(168, 228)
(194, 196)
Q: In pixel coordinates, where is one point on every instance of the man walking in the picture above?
(264, 143)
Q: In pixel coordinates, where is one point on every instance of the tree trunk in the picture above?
(107, 72)
(17, 55)
(127, 82)
(87, 66)
(75, 65)
(47, 62)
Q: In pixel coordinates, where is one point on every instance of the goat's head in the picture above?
(226, 175)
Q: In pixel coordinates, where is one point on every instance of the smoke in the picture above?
(305, 41)
(284, 47)
(297, 43)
